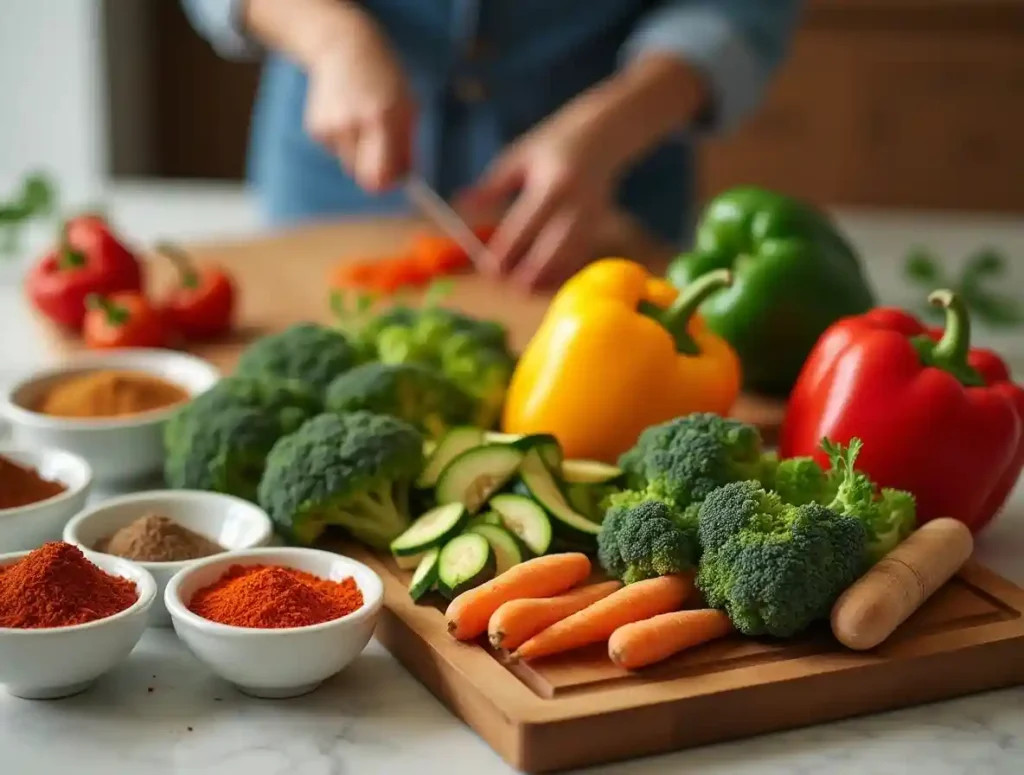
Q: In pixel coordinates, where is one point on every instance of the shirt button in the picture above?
(470, 90)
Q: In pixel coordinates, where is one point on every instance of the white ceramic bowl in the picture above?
(231, 522)
(44, 664)
(118, 449)
(31, 526)
(283, 662)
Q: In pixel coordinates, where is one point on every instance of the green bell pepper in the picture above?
(794, 275)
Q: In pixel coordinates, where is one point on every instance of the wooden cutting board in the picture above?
(579, 709)
(284, 279)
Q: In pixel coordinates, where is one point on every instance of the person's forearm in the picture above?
(639, 107)
(304, 29)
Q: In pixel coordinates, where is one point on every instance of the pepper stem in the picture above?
(188, 274)
(951, 351)
(67, 256)
(676, 318)
(116, 315)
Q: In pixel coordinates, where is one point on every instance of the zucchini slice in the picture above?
(408, 562)
(464, 562)
(586, 499)
(496, 437)
(548, 447)
(506, 547)
(451, 445)
(544, 489)
(424, 579)
(434, 528)
(484, 518)
(475, 475)
(589, 472)
(526, 520)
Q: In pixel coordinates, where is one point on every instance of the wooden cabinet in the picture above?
(897, 104)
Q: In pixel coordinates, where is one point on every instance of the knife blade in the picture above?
(432, 205)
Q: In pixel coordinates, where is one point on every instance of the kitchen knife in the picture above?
(450, 222)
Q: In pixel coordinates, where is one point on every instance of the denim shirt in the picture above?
(485, 71)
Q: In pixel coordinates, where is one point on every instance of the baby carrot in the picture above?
(599, 620)
(517, 621)
(551, 574)
(645, 642)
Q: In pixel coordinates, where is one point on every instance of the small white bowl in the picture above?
(45, 664)
(117, 448)
(231, 522)
(276, 663)
(31, 526)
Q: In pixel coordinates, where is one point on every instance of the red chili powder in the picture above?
(56, 586)
(272, 596)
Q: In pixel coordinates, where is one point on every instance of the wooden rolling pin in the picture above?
(897, 585)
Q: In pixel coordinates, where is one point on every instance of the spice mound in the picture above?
(56, 586)
(156, 538)
(21, 486)
(110, 393)
(271, 596)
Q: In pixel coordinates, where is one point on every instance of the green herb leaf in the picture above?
(922, 268)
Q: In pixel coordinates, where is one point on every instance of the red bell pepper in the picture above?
(937, 418)
(202, 304)
(89, 259)
(125, 319)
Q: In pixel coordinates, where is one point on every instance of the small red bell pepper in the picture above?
(937, 418)
(125, 319)
(202, 305)
(89, 259)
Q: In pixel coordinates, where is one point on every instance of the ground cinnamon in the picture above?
(110, 393)
(56, 586)
(272, 596)
(156, 538)
(21, 485)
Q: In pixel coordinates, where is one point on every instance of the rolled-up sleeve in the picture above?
(220, 22)
(737, 45)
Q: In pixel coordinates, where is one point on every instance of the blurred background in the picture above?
(903, 117)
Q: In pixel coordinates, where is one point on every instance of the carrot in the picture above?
(598, 621)
(517, 621)
(645, 642)
(354, 274)
(551, 574)
(439, 255)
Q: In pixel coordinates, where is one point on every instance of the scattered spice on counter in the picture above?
(110, 393)
(156, 538)
(56, 586)
(271, 596)
(21, 485)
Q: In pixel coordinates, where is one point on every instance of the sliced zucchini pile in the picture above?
(500, 499)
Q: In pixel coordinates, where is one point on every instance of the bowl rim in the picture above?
(144, 583)
(71, 528)
(178, 610)
(7, 447)
(119, 358)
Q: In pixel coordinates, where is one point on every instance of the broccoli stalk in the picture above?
(889, 515)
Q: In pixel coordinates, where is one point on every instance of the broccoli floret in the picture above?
(644, 541)
(225, 453)
(800, 480)
(888, 515)
(352, 470)
(775, 567)
(681, 461)
(306, 352)
(413, 392)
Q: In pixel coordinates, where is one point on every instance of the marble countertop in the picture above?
(160, 712)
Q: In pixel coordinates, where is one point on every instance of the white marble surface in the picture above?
(161, 713)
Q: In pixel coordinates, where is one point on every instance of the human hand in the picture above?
(565, 177)
(359, 106)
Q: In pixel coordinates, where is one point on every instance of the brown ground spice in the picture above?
(110, 394)
(156, 538)
(22, 486)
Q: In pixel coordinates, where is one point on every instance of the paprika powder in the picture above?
(56, 586)
(22, 486)
(275, 597)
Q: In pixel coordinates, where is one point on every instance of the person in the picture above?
(560, 109)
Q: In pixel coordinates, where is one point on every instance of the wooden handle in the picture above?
(883, 598)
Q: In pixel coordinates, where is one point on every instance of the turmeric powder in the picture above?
(110, 393)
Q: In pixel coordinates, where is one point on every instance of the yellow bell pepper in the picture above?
(619, 350)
